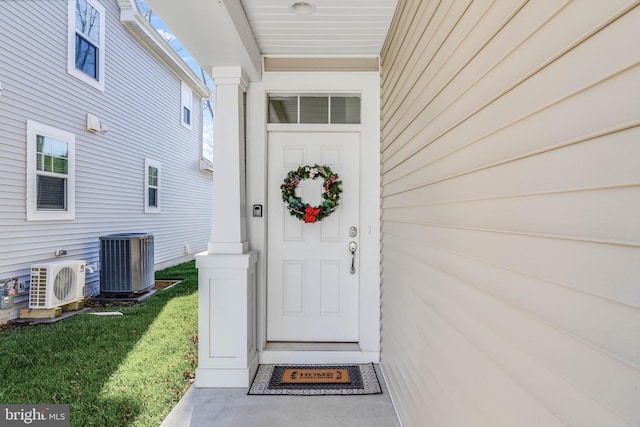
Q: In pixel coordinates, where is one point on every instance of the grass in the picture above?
(125, 370)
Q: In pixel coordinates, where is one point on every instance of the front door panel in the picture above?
(312, 290)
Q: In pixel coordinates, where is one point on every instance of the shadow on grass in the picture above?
(111, 370)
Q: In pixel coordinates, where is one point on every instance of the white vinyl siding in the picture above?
(86, 42)
(139, 107)
(152, 182)
(511, 198)
(50, 173)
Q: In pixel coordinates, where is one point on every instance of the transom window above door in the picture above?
(314, 108)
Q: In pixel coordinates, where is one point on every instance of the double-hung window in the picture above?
(151, 186)
(86, 41)
(186, 105)
(50, 173)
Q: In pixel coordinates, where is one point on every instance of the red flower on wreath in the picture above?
(310, 214)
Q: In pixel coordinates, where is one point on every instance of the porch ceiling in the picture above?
(237, 32)
(336, 27)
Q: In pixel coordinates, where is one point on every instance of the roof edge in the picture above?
(135, 23)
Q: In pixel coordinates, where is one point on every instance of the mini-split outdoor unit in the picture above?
(55, 284)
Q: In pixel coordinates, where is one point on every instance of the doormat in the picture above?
(315, 380)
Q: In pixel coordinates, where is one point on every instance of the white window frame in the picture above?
(186, 101)
(33, 214)
(299, 96)
(71, 46)
(152, 209)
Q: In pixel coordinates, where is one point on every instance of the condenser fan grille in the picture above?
(63, 285)
(56, 284)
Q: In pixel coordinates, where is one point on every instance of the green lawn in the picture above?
(125, 370)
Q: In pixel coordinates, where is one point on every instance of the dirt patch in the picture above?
(90, 302)
(165, 284)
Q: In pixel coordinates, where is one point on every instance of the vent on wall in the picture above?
(56, 283)
(126, 263)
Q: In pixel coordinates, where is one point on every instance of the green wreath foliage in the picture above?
(332, 188)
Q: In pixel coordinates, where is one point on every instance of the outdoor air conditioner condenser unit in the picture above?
(126, 263)
(55, 284)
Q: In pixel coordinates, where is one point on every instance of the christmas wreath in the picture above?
(331, 189)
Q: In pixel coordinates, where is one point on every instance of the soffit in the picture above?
(135, 22)
(221, 33)
(335, 28)
(215, 32)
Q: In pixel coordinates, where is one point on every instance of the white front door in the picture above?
(312, 290)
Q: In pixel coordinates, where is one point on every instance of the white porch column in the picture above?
(228, 218)
(227, 355)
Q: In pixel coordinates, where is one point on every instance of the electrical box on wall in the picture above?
(93, 123)
(7, 293)
(6, 299)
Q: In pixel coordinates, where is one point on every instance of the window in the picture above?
(50, 173)
(151, 186)
(186, 102)
(345, 109)
(207, 133)
(321, 109)
(86, 42)
(314, 109)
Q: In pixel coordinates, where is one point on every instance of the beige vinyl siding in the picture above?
(511, 198)
(140, 106)
(273, 64)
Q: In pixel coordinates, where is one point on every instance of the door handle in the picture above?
(352, 248)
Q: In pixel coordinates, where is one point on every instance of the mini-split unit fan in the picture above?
(55, 284)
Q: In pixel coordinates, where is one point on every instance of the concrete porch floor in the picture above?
(231, 407)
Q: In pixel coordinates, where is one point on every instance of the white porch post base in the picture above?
(227, 355)
(228, 248)
(226, 378)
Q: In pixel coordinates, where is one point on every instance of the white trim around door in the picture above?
(366, 84)
(313, 278)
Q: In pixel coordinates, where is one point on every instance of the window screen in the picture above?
(52, 164)
(51, 193)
